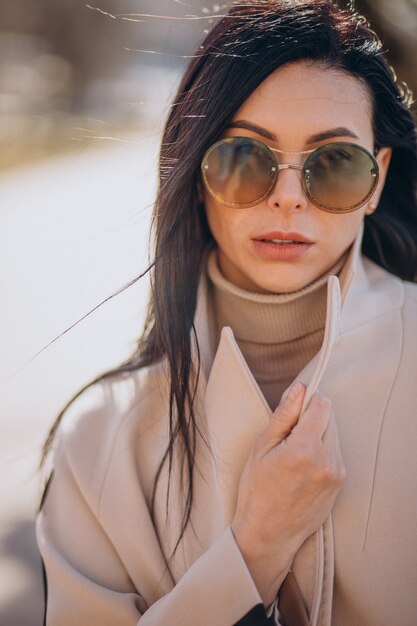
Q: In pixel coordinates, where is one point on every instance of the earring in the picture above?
(372, 206)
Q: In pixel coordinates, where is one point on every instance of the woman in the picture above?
(252, 463)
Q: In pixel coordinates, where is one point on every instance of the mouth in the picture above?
(281, 246)
(281, 242)
(281, 238)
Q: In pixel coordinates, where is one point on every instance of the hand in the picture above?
(288, 487)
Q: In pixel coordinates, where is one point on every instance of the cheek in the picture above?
(225, 224)
(213, 218)
(350, 227)
(340, 230)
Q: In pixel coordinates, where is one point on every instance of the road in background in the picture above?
(72, 231)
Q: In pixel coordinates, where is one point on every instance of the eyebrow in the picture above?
(340, 131)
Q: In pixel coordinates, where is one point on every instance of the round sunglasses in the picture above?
(240, 172)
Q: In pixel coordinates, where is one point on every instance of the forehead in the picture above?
(300, 99)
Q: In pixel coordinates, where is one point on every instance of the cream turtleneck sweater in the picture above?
(278, 334)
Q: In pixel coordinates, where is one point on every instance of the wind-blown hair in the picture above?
(244, 47)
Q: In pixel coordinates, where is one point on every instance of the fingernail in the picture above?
(292, 392)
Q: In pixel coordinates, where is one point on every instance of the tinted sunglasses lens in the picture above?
(340, 177)
(238, 171)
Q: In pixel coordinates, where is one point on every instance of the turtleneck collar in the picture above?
(353, 280)
(268, 318)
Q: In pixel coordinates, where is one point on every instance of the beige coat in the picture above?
(104, 556)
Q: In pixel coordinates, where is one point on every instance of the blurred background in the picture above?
(84, 93)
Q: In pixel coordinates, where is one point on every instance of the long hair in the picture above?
(244, 47)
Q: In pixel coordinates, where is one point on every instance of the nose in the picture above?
(287, 193)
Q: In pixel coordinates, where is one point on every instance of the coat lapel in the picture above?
(236, 412)
(233, 412)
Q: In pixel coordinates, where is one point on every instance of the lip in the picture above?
(282, 252)
(284, 236)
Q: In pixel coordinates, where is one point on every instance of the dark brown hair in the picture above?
(244, 47)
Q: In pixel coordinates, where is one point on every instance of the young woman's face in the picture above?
(293, 104)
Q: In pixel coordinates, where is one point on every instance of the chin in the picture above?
(285, 288)
(278, 286)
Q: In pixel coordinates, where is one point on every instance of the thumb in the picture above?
(287, 412)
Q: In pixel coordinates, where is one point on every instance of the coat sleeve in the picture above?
(86, 582)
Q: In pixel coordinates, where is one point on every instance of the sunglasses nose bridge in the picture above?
(289, 166)
(289, 188)
(285, 166)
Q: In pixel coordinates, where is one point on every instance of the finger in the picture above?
(315, 419)
(332, 442)
(331, 435)
(286, 414)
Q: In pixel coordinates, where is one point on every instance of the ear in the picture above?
(383, 158)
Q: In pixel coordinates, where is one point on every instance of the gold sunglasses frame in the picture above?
(276, 168)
